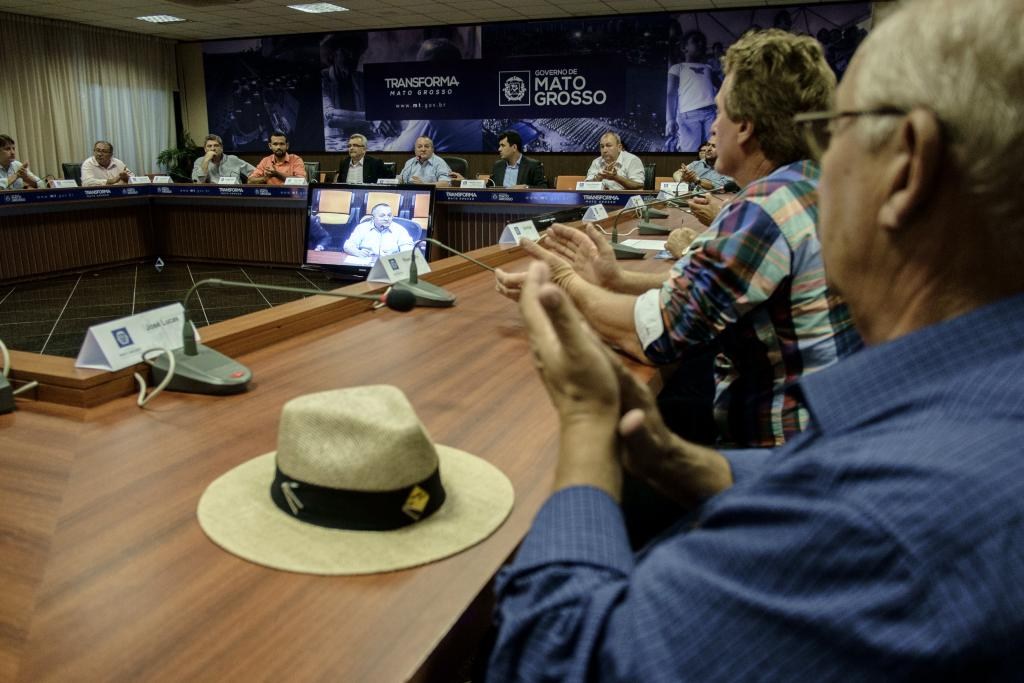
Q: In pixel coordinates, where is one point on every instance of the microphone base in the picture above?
(656, 213)
(624, 253)
(652, 229)
(208, 372)
(426, 294)
(6, 396)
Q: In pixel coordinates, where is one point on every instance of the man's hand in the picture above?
(703, 209)
(678, 240)
(455, 175)
(588, 252)
(688, 174)
(579, 379)
(682, 471)
(560, 271)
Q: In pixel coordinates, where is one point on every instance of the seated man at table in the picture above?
(279, 165)
(426, 167)
(702, 171)
(215, 164)
(360, 167)
(103, 168)
(616, 168)
(381, 234)
(14, 175)
(886, 543)
(514, 169)
(751, 298)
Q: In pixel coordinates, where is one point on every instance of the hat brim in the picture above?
(237, 513)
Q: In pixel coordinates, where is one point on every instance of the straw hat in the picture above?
(356, 486)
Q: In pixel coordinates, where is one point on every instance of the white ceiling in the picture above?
(208, 19)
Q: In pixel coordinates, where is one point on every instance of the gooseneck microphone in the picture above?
(202, 370)
(623, 252)
(425, 293)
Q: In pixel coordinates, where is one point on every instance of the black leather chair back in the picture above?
(457, 164)
(72, 172)
(312, 171)
(649, 176)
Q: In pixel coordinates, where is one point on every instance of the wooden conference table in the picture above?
(106, 574)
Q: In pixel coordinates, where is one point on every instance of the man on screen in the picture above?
(616, 168)
(215, 164)
(280, 165)
(379, 235)
(514, 169)
(359, 167)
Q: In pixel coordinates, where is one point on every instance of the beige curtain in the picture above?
(67, 85)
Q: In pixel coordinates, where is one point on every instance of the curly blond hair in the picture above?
(774, 75)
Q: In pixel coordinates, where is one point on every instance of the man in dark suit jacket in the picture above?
(370, 168)
(531, 171)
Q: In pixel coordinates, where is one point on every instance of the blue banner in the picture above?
(527, 87)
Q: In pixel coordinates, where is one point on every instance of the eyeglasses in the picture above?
(819, 126)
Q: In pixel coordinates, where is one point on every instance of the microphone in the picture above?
(425, 293)
(623, 252)
(202, 370)
(647, 228)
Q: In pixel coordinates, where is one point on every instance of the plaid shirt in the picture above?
(756, 285)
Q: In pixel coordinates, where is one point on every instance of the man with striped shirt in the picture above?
(754, 290)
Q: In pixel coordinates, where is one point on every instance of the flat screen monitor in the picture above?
(348, 227)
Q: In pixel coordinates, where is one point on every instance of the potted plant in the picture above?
(177, 161)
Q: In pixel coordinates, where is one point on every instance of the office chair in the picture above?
(649, 176)
(312, 171)
(390, 169)
(457, 164)
(72, 172)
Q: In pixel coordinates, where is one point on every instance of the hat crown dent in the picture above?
(360, 439)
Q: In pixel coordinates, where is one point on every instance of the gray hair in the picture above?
(963, 61)
(360, 137)
(216, 138)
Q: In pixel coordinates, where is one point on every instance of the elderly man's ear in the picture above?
(912, 168)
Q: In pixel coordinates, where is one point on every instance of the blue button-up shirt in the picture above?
(885, 543)
(512, 173)
(432, 170)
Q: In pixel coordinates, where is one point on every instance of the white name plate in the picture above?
(387, 181)
(589, 185)
(64, 182)
(138, 180)
(294, 180)
(515, 232)
(161, 180)
(120, 343)
(473, 184)
(675, 188)
(395, 267)
(233, 180)
(597, 212)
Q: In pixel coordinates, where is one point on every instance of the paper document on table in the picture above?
(649, 245)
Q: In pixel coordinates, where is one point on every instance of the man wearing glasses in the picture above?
(359, 167)
(753, 290)
(886, 543)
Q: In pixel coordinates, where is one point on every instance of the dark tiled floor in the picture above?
(52, 316)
